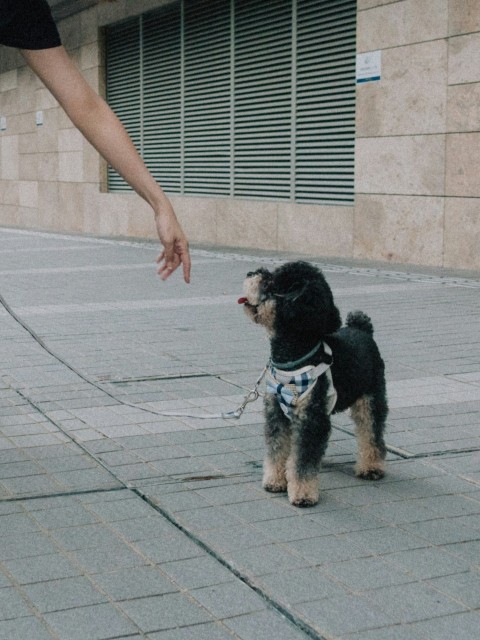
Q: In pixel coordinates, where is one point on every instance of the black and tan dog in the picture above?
(317, 367)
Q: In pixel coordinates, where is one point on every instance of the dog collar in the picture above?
(290, 387)
(294, 363)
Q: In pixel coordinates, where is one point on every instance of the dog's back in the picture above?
(358, 367)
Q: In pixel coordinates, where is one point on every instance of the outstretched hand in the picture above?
(175, 245)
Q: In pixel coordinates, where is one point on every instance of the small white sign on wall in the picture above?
(39, 118)
(3, 123)
(369, 66)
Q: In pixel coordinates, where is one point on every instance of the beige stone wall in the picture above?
(418, 134)
(417, 150)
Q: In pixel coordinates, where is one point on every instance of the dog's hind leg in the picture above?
(369, 414)
(277, 439)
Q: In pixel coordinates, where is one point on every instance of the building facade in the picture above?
(347, 128)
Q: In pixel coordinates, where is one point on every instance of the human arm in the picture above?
(101, 127)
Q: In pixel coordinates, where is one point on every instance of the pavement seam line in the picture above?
(297, 621)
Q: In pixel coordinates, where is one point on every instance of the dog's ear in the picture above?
(309, 305)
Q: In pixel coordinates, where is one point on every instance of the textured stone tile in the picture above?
(228, 600)
(197, 572)
(107, 558)
(41, 568)
(134, 582)
(413, 602)
(344, 615)
(69, 593)
(464, 587)
(164, 612)
(21, 628)
(12, 605)
(97, 622)
(208, 631)
(263, 625)
(301, 585)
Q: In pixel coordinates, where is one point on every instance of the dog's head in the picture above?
(294, 298)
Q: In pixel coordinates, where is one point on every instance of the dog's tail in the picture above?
(360, 320)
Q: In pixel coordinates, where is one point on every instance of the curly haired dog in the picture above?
(310, 351)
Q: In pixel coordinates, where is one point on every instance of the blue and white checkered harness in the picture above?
(291, 387)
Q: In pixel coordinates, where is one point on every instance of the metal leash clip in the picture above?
(251, 396)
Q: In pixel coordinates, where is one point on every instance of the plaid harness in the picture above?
(291, 387)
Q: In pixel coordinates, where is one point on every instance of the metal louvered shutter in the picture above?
(262, 115)
(207, 87)
(123, 86)
(246, 98)
(325, 121)
(162, 96)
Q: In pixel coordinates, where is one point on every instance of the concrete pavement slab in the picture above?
(118, 520)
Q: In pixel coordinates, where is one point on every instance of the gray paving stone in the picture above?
(168, 547)
(463, 626)
(367, 573)
(21, 628)
(154, 526)
(208, 518)
(96, 622)
(69, 593)
(84, 537)
(12, 605)
(208, 631)
(33, 485)
(41, 568)
(4, 581)
(397, 632)
(122, 509)
(197, 572)
(16, 523)
(134, 582)
(339, 616)
(25, 545)
(385, 540)
(443, 531)
(301, 585)
(412, 602)
(264, 625)
(179, 500)
(235, 538)
(262, 560)
(164, 612)
(464, 587)
(326, 549)
(228, 600)
(64, 517)
(427, 563)
(107, 558)
(260, 510)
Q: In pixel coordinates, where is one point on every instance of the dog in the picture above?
(317, 367)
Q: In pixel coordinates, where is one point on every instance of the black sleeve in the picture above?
(27, 24)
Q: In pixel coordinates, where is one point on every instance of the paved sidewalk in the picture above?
(118, 522)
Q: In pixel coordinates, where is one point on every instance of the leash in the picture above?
(251, 396)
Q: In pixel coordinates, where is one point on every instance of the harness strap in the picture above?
(291, 387)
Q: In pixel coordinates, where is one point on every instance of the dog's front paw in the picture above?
(275, 487)
(371, 474)
(304, 502)
(304, 493)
